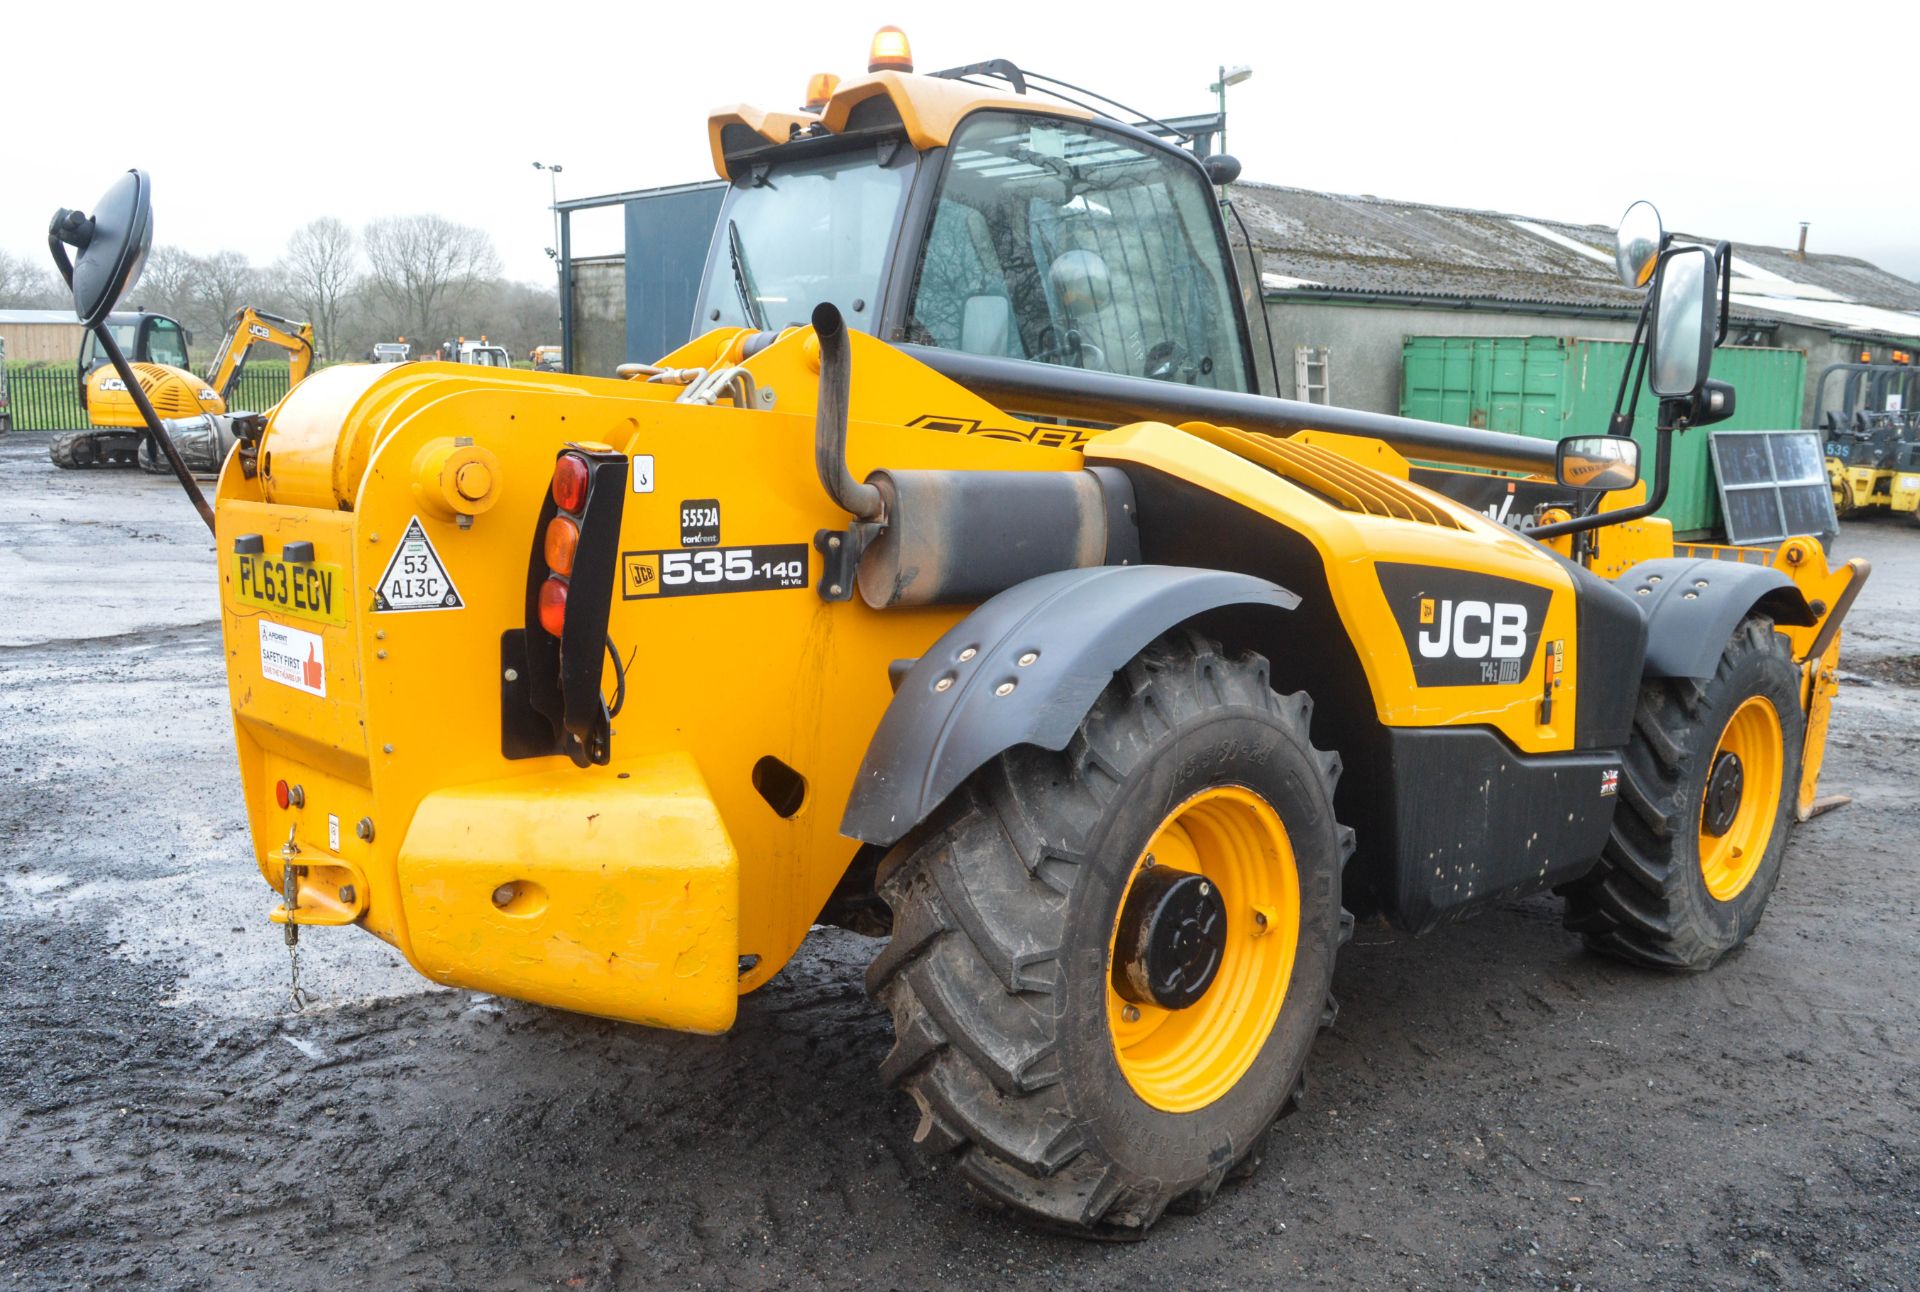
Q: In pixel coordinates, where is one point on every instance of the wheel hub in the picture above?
(1724, 786)
(1172, 935)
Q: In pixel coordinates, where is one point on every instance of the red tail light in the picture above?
(569, 482)
(553, 605)
(563, 538)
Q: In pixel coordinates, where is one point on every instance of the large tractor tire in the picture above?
(1707, 795)
(1108, 964)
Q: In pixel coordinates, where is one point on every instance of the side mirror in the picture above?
(1681, 333)
(1636, 246)
(1221, 168)
(111, 246)
(1597, 462)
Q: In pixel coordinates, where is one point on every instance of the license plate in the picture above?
(305, 589)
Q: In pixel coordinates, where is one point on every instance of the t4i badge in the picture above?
(416, 578)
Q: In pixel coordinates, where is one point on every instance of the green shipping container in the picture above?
(1551, 386)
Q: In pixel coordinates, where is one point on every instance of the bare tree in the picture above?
(166, 284)
(518, 316)
(318, 272)
(26, 285)
(424, 267)
(222, 283)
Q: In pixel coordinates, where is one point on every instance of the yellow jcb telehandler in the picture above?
(961, 587)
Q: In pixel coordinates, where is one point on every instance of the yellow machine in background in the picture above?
(1872, 434)
(1111, 713)
(250, 327)
(178, 395)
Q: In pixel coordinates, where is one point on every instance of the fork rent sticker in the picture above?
(293, 658)
(416, 578)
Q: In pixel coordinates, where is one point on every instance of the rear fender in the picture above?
(1024, 668)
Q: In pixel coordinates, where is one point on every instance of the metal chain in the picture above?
(296, 994)
(290, 892)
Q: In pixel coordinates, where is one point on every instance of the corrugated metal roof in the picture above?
(40, 316)
(1313, 241)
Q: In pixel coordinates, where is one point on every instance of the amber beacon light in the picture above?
(890, 51)
(820, 88)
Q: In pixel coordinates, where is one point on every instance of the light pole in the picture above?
(1228, 76)
(553, 169)
(553, 192)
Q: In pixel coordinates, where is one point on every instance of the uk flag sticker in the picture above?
(1609, 782)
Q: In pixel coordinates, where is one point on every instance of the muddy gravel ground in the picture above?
(1496, 1108)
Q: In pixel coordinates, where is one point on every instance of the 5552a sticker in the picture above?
(682, 573)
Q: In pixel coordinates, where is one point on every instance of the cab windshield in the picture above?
(125, 335)
(1065, 243)
(803, 232)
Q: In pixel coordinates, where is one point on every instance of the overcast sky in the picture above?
(1737, 121)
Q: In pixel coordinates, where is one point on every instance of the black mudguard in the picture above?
(1080, 627)
(1692, 606)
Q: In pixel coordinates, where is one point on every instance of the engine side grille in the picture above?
(1346, 483)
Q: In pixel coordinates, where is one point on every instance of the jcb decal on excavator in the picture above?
(1052, 437)
(1463, 628)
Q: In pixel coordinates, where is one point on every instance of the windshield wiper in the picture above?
(743, 280)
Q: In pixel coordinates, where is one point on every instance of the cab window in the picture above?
(806, 230)
(166, 343)
(125, 336)
(1061, 242)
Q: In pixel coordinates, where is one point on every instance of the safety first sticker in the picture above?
(416, 578)
(293, 658)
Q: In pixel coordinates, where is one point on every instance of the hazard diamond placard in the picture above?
(416, 577)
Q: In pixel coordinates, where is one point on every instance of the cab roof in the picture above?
(927, 108)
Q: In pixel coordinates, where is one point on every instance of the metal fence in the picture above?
(46, 397)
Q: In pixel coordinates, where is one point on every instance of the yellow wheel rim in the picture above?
(1179, 1060)
(1729, 859)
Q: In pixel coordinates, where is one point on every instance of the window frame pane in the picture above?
(717, 289)
(900, 321)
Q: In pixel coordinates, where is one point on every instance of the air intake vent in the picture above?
(169, 396)
(1343, 482)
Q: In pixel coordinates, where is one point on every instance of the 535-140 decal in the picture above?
(713, 569)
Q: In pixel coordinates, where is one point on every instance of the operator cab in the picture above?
(1020, 231)
(142, 337)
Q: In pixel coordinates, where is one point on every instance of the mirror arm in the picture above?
(157, 433)
(1632, 374)
(1661, 455)
(1621, 423)
(1724, 254)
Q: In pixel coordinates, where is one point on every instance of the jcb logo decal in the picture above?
(1473, 629)
(640, 574)
(1463, 628)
